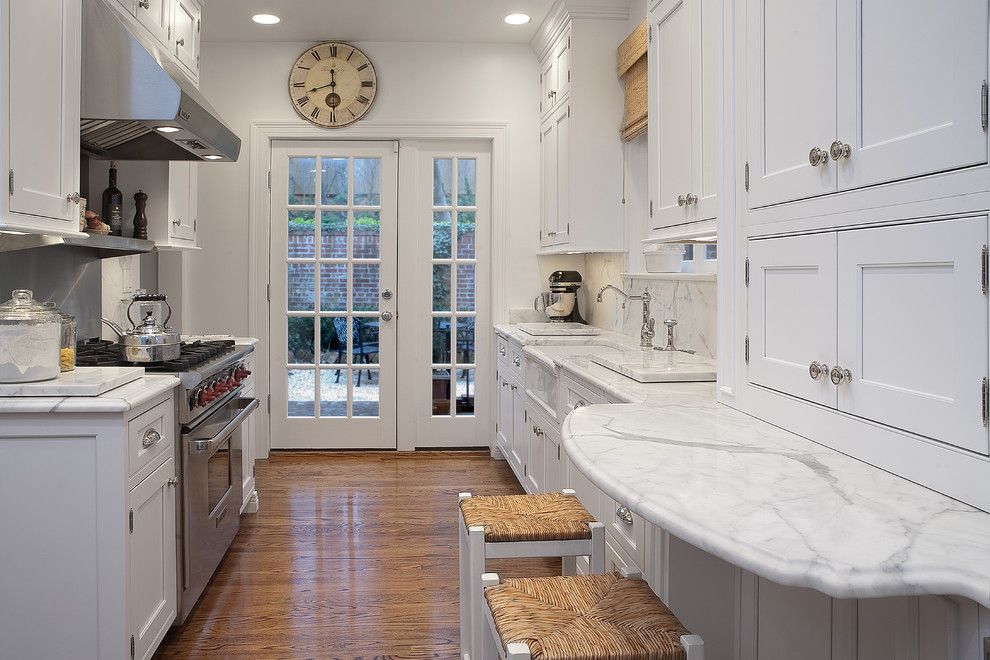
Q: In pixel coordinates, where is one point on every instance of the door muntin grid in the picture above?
(334, 263)
(453, 277)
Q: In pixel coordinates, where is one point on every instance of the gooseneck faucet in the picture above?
(646, 333)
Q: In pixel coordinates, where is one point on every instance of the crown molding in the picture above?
(564, 11)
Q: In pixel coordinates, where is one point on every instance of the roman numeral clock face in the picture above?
(332, 84)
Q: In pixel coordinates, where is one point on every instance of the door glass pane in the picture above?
(333, 344)
(333, 393)
(366, 287)
(302, 181)
(302, 234)
(302, 392)
(465, 287)
(367, 234)
(441, 392)
(441, 340)
(465, 392)
(367, 181)
(441, 287)
(333, 287)
(364, 385)
(301, 293)
(465, 234)
(465, 340)
(441, 235)
(300, 340)
(333, 234)
(364, 348)
(466, 169)
(334, 181)
(442, 169)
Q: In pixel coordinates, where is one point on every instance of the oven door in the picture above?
(212, 494)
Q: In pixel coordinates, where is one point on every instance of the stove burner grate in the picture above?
(104, 353)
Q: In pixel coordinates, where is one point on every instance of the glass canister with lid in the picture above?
(67, 342)
(30, 337)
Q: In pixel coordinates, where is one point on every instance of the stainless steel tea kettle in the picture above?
(148, 341)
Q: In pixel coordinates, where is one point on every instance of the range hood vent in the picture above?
(131, 89)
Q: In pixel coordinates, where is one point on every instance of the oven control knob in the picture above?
(201, 398)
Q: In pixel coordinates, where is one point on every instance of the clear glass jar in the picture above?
(67, 344)
(30, 336)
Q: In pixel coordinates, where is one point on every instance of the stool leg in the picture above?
(476, 568)
(694, 647)
(491, 643)
(597, 561)
(568, 565)
(464, 581)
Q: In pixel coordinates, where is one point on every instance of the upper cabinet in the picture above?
(41, 100)
(174, 25)
(154, 15)
(883, 92)
(684, 69)
(186, 22)
(580, 151)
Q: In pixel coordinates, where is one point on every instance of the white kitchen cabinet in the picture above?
(580, 154)
(683, 117)
(792, 311)
(912, 328)
(533, 480)
(186, 21)
(909, 86)
(895, 317)
(40, 132)
(156, 17)
(503, 415)
(554, 478)
(519, 446)
(792, 623)
(172, 206)
(151, 557)
(183, 204)
(893, 90)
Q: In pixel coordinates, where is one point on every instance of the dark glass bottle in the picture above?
(113, 204)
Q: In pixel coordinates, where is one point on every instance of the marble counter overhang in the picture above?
(120, 399)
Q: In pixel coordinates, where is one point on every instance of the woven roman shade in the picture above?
(632, 71)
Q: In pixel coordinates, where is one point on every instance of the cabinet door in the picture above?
(534, 455)
(912, 328)
(671, 115)
(547, 79)
(503, 424)
(249, 432)
(912, 628)
(562, 68)
(792, 314)
(548, 182)
(706, 29)
(185, 33)
(43, 107)
(553, 471)
(156, 16)
(519, 441)
(790, 89)
(181, 202)
(562, 119)
(793, 623)
(151, 579)
(910, 76)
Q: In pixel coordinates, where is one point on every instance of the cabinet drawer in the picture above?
(149, 435)
(541, 383)
(625, 528)
(502, 349)
(616, 558)
(574, 395)
(517, 362)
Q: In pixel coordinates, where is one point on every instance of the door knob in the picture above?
(817, 370)
(387, 315)
(818, 156)
(387, 294)
(840, 150)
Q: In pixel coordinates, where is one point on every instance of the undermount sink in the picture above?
(660, 367)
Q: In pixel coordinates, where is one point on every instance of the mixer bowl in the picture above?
(557, 306)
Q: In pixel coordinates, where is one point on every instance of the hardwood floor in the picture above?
(353, 554)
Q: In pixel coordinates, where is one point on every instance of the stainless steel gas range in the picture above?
(210, 410)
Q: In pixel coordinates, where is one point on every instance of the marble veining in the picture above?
(81, 381)
(780, 506)
(661, 367)
(119, 399)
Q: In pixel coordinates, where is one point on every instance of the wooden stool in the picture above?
(511, 526)
(583, 616)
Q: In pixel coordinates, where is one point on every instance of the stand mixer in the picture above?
(560, 304)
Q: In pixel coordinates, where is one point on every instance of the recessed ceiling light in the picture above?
(517, 19)
(212, 157)
(168, 129)
(266, 19)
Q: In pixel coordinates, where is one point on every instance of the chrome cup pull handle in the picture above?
(151, 437)
(624, 514)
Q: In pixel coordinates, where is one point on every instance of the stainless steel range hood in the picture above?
(130, 89)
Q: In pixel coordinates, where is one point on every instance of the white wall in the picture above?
(246, 82)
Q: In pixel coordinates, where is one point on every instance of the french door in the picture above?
(333, 288)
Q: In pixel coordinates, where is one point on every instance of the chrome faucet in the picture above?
(646, 333)
(670, 323)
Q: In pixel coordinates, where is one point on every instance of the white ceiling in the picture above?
(373, 20)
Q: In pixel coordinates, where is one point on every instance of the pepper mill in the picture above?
(140, 219)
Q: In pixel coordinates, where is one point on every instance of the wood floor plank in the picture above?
(352, 555)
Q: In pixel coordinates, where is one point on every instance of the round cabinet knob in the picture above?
(516, 361)
(690, 199)
(681, 200)
(180, 42)
(818, 156)
(177, 222)
(501, 351)
(838, 375)
(73, 198)
(817, 370)
(387, 315)
(173, 481)
(387, 294)
(144, 4)
(579, 404)
(840, 150)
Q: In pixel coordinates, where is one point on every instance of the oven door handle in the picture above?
(208, 446)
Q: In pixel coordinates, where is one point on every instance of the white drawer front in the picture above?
(149, 435)
(575, 395)
(502, 349)
(542, 383)
(517, 361)
(626, 529)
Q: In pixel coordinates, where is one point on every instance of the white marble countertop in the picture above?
(780, 506)
(119, 399)
(81, 381)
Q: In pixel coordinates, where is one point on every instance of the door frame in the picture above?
(264, 133)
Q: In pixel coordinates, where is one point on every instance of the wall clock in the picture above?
(332, 84)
